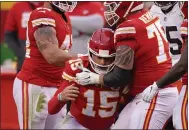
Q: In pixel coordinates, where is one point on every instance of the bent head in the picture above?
(64, 6)
(102, 50)
(116, 11)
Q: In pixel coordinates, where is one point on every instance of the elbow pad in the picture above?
(118, 77)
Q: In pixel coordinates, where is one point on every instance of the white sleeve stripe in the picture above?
(184, 33)
(184, 30)
(66, 43)
(46, 21)
(125, 30)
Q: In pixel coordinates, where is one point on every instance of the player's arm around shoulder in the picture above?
(124, 59)
(125, 45)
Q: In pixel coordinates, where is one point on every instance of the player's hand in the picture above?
(70, 93)
(150, 92)
(87, 77)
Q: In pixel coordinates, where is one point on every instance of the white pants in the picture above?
(69, 122)
(26, 97)
(180, 113)
(142, 115)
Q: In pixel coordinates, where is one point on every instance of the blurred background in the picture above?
(8, 59)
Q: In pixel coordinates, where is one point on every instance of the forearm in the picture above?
(172, 76)
(120, 76)
(59, 57)
(176, 72)
(48, 45)
(54, 105)
(117, 78)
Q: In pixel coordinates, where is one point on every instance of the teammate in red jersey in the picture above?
(48, 39)
(142, 56)
(94, 107)
(180, 114)
(15, 28)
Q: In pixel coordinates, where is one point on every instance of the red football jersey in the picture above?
(18, 17)
(35, 68)
(143, 33)
(184, 34)
(95, 108)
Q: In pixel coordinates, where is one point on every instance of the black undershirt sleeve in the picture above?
(118, 77)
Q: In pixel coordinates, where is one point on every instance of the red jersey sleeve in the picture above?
(10, 23)
(42, 16)
(71, 69)
(125, 34)
(54, 105)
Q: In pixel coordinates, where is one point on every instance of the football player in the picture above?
(142, 55)
(171, 18)
(94, 107)
(180, 114)
(48, 40)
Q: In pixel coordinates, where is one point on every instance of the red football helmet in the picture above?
(102, 45)
(65, 6)
(115, 10)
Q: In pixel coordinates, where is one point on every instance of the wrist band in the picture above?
(59, 97)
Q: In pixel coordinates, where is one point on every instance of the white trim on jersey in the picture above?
(184, 30)
(67, 77)
(125, 30)
(66, 43)
(45, 21)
